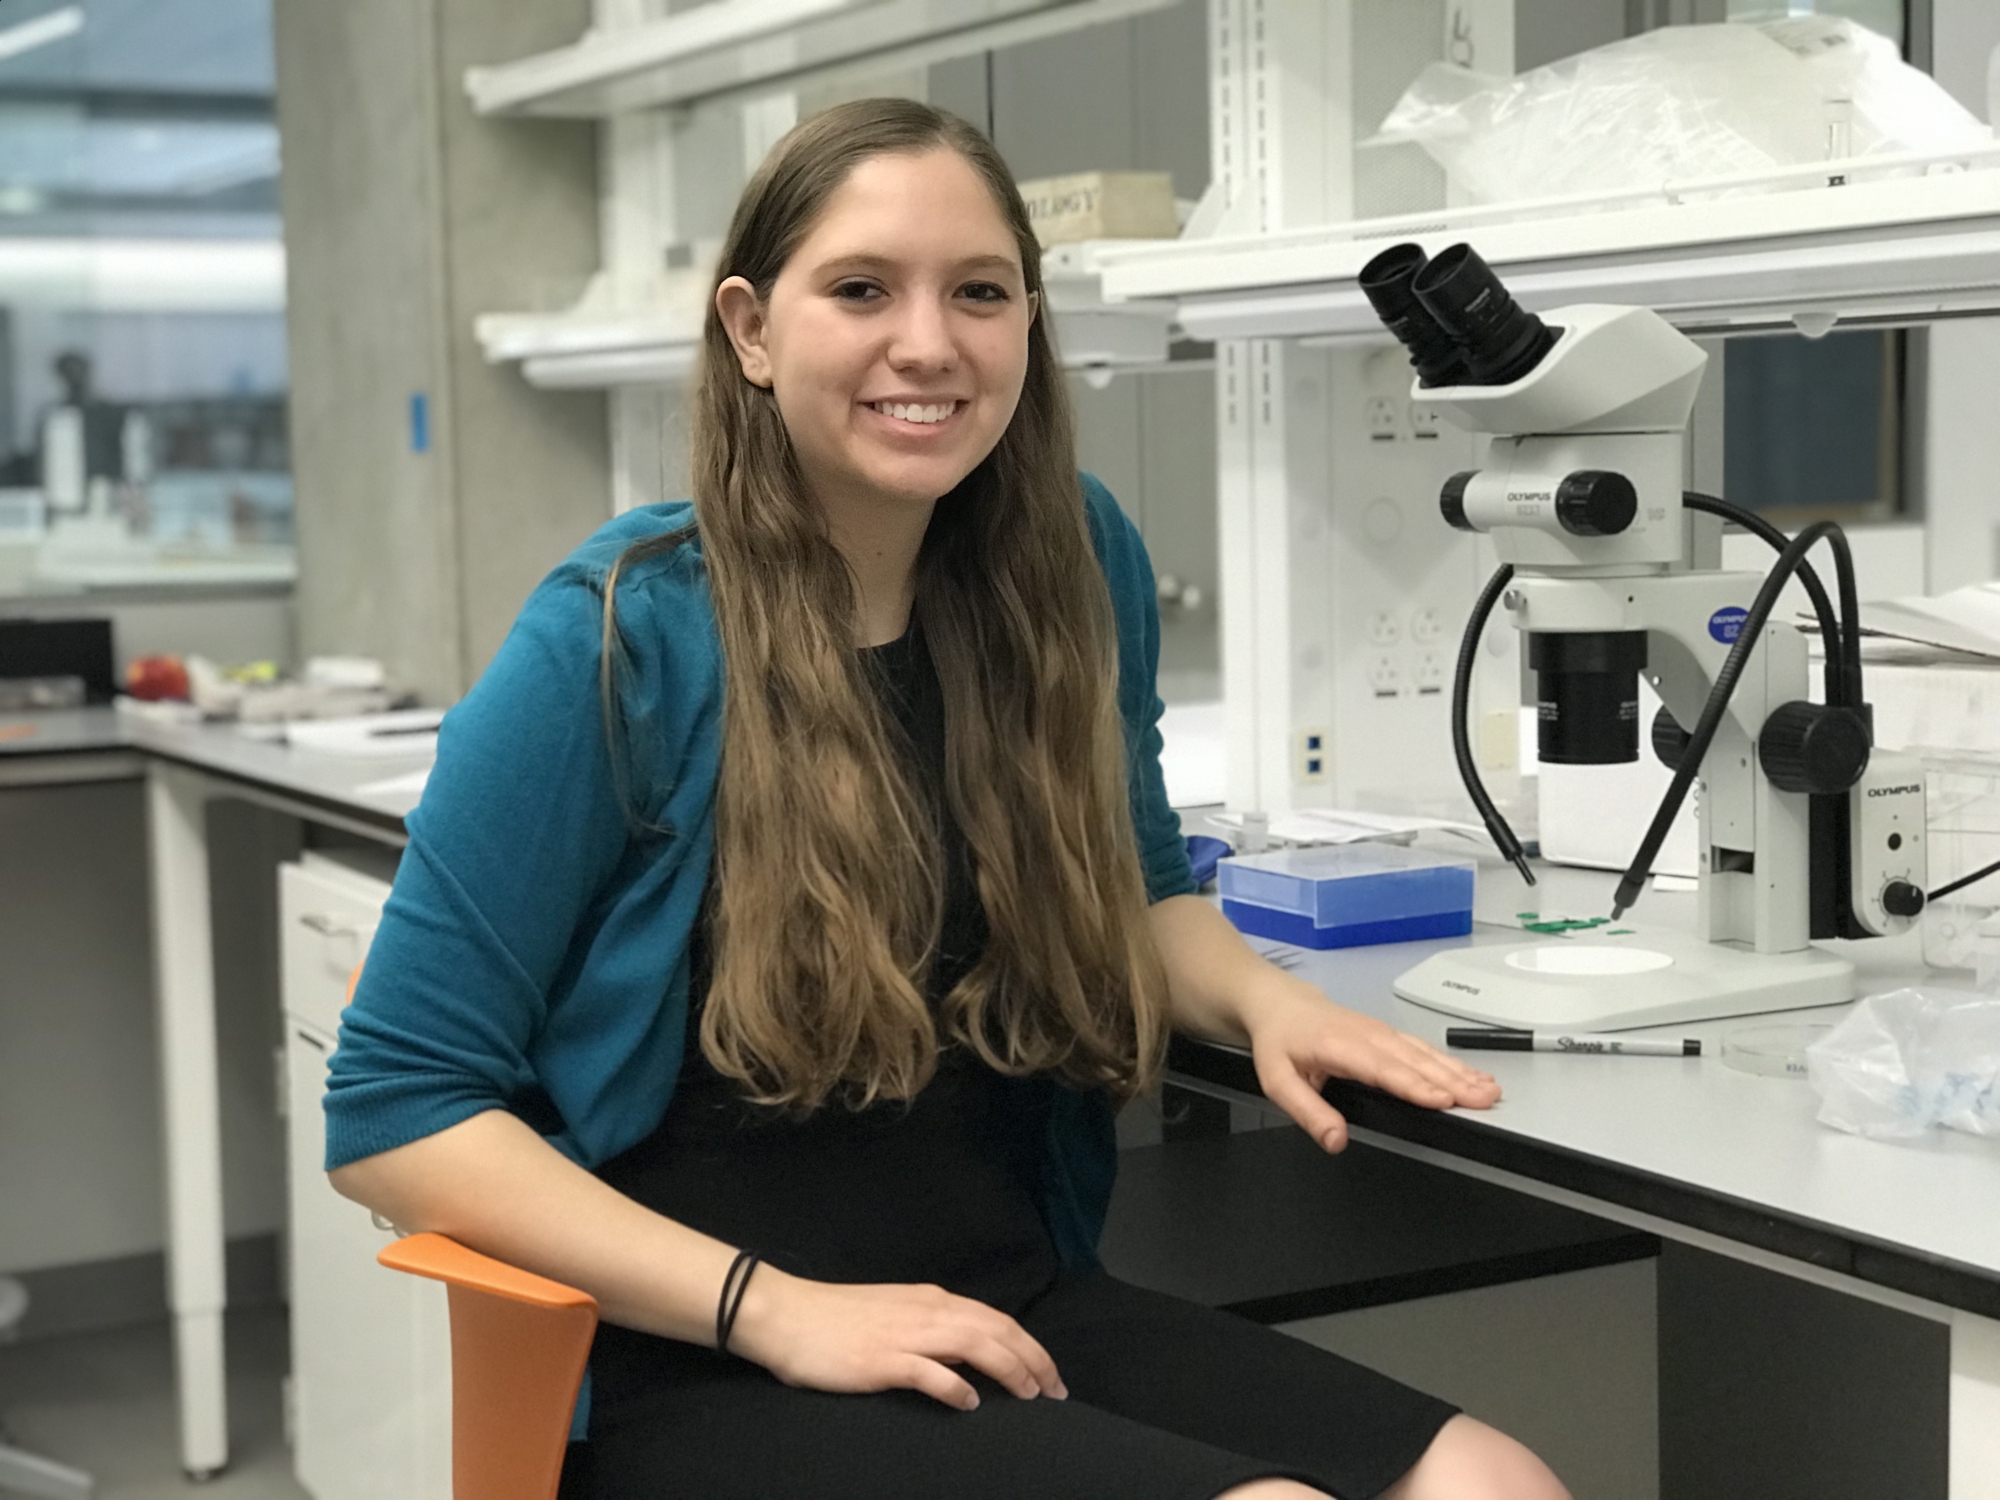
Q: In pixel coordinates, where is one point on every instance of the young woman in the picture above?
(799, 883)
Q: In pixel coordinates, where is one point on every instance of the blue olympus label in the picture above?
(1727, 624)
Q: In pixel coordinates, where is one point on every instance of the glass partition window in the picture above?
(142, 342)
(1885, 17)
(1812, 429)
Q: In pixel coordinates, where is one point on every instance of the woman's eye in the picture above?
(986, 291)
(856, 291)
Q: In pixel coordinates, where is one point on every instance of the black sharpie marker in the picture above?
(1505, 1039)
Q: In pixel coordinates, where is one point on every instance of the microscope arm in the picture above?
(1702, 734)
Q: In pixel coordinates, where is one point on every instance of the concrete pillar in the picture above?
(433, 490)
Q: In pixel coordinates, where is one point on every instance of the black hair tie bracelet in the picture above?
(731, 1303)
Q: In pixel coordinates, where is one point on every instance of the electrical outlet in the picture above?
(1385, 675)
(1423, 422)
(1379, 412)
(1425, 626)
(1312, 755)
(1428, 672)
(1383, 628)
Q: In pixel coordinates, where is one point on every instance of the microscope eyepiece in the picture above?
(1385, 281)
(1501, 342)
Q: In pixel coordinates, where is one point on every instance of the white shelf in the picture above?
(593, 349)
(1889, 250)
(599, 344)
(1091, 333)
(743, 47)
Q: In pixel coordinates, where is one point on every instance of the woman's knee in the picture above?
(1468, 1460)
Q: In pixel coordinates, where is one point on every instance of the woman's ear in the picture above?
(743, 319)
(1034, 306)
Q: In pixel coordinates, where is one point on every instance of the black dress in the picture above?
(1168, 1400)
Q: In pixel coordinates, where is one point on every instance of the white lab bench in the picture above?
(1695, 1151)
(186, 768)
(1685, 1148)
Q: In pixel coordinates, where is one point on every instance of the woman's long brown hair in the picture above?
(828, 871)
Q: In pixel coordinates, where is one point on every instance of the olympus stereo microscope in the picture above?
(1805, 831)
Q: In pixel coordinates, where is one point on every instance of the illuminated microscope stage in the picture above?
(1615, 977)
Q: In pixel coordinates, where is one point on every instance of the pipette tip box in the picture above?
(1347, 895)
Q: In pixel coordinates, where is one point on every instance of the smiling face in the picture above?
(895, 338)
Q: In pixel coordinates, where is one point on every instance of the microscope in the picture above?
(1611, 569)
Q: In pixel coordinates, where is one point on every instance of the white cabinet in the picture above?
(371, 1355)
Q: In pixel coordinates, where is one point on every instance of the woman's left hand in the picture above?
(1300, 1039)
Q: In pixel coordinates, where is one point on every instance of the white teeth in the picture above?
(920, 414)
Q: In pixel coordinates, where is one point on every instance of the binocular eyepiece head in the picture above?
(1453, 315)
(1387, 282)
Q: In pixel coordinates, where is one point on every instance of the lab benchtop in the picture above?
(1682, 1141)
(1689, 1140)
(342, 785)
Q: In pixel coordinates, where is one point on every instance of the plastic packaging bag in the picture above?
(1678, 103)
(1903, 1062)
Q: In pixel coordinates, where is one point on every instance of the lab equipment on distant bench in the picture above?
(1348, 895)
(330, 688)
(1803, 832)
(60, 648)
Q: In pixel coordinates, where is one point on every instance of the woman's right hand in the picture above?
(830, 1336)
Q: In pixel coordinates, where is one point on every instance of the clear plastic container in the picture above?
(1347, 895)
(1962, 817)
(1772, 1051)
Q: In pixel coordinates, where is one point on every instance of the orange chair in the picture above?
(519, 1343)
(518, 1347)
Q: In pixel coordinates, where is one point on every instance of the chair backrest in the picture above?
(519, 1343)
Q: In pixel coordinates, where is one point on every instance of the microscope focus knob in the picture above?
(1901, 899)
(1809, 747)
(1670, 741)
(1596, 502)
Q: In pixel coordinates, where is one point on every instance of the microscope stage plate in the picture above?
(1641, 977)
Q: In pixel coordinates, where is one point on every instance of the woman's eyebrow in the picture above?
(862, 261)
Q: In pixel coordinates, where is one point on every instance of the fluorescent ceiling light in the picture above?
(39, 32)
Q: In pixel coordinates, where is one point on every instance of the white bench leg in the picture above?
(185, 977)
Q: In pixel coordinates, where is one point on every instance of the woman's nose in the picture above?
(923, 338)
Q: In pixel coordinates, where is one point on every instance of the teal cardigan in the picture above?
(533, 953)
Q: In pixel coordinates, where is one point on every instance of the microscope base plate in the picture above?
(1640, 977)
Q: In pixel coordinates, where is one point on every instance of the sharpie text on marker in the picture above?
(1507, 1039)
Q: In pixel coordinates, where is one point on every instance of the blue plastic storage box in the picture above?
(1344, 896)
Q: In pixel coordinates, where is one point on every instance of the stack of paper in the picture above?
(1965, 620)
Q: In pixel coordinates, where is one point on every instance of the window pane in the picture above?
(142, 340)
(1882, 16)
(1813, 425)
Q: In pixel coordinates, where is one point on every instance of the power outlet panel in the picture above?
(1381, 586)
(1344, 593)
